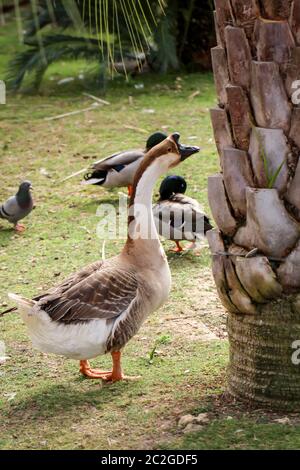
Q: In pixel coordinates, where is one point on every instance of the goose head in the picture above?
(160, 159)
(168, 154)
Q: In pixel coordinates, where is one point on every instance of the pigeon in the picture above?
(19, 206)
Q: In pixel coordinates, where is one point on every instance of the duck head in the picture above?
(155, 139)
(172, 185)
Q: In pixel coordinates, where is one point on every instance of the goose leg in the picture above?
(178, 248)
(87, 371)
(115, 375)
(130, 190)
(19, 228)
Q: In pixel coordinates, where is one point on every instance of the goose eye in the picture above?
(169, 149)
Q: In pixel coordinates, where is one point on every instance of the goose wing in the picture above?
(72, 280)
(99, 291)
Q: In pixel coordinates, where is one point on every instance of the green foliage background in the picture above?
(171, 33)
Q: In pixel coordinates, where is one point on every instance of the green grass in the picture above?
(224, 434)
(44, 402)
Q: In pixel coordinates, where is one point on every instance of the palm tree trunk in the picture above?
(255, 199)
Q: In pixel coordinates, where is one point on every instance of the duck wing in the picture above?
(101, 291)
(180, 216)
(118, 159)
(193, 214)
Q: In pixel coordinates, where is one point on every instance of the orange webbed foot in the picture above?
(178, 248)
(115, 375)
(111, 378)
(90, 373)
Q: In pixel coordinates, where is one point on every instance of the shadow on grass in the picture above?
(95, 203)
(63, 402)
(6, 233)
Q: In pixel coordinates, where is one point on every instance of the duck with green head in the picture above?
(118, 170)
(177, 216)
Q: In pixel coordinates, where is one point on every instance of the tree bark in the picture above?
(255, 200)
(261, 348)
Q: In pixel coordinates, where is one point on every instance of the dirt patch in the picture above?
(206, 319)
(227, 407)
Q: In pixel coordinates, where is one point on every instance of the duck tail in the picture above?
(95, 181)
(96, 177)
(207, 225)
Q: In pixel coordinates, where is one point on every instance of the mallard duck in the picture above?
(18, 207)
(179, 217)
(100, 308)
(118, 170)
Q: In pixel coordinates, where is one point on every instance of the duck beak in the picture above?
(184, 150)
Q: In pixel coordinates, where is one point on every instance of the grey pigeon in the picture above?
(19, 206)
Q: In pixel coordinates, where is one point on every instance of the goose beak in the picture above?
(184, 150)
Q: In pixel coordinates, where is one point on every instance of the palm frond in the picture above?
(74, 14)
(164, 52)
(55, 47)
(116, 29)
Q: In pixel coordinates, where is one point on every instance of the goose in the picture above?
(100, 308)
(179, 217)
(118, 170)
(18, 207)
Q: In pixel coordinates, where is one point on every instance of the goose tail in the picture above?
(24, 305)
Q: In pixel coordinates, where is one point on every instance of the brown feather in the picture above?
(103, 290)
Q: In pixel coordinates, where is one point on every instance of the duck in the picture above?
(177, 216)
(18, 207)
(98, 309)
(118, 170)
